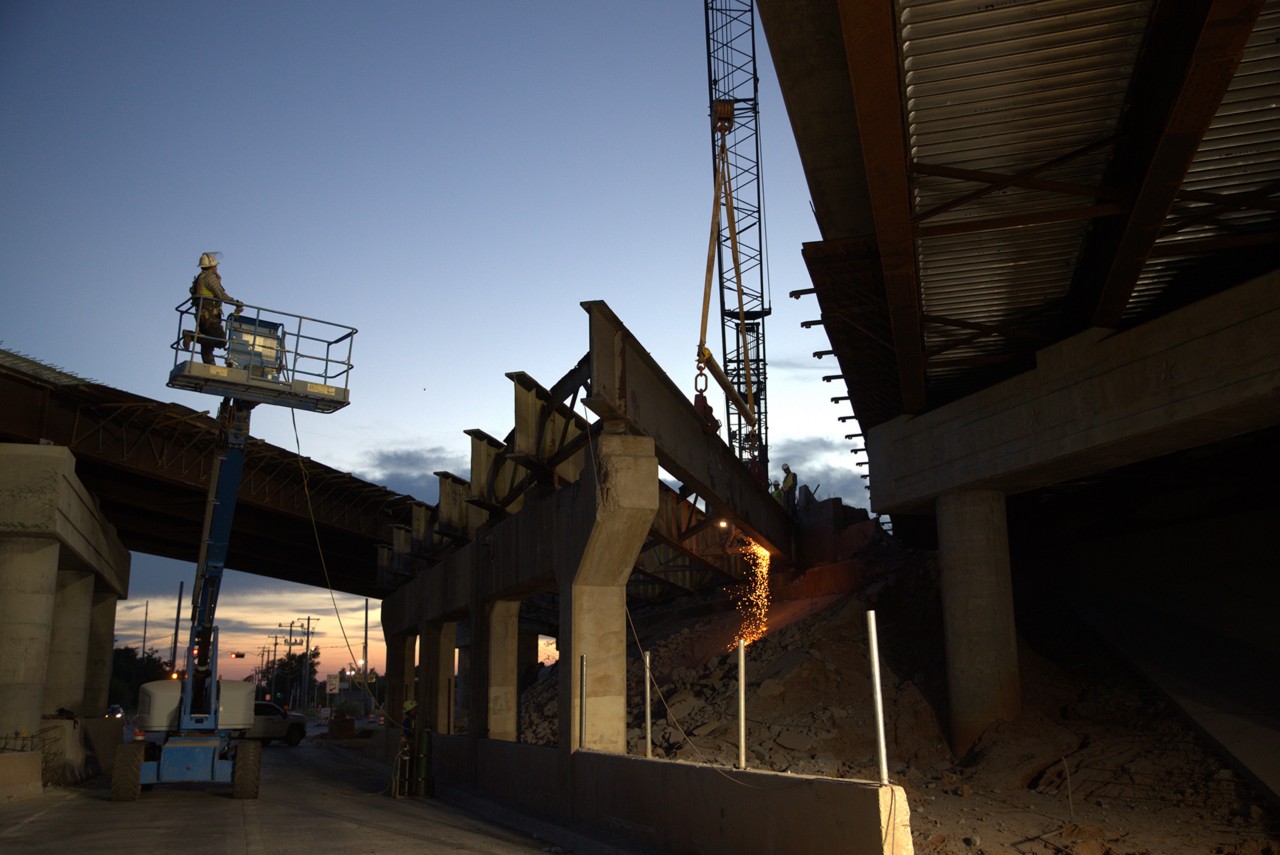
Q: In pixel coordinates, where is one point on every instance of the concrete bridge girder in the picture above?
(1098, 401)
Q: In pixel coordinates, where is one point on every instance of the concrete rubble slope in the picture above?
(1097, 762)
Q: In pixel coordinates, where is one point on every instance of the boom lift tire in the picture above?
(126, 772)
(247, 770)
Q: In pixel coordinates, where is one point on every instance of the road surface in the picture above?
(315, 798)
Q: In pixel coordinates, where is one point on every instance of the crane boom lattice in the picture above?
(734, 92)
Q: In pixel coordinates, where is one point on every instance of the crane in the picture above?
(739, 236)
(191, 728)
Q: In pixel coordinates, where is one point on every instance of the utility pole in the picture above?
(364, 677)
(288, 688)
(177, 619)
(306, 663)
(146, 609)
(275, 641)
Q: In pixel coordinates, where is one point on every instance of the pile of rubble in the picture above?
(1094, 764)
(808, 698)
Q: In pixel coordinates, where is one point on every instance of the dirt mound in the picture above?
(1094, 764)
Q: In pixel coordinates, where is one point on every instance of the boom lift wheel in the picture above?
(247, 770)
(126, 772)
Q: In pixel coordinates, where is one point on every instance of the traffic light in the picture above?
(237, 655)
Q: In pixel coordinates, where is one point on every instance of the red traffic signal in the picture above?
(237, 655)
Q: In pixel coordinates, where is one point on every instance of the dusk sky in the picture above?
(452, 179)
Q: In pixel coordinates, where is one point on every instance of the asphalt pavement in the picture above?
(317, 797)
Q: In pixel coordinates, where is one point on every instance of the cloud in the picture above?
(412, 470)
(800, 365)
(832, 481)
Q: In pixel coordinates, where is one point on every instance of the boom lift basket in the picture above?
(271, 357)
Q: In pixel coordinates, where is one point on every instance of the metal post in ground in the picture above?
(582, 703)
(874, 651)
(742, 705)
(648, 717)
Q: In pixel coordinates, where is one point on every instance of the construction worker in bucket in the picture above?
(208, 294)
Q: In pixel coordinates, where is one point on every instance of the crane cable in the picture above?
(722, 123)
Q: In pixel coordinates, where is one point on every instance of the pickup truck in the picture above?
(270, 722)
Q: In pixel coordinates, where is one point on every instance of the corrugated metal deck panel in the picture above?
(1005, 88)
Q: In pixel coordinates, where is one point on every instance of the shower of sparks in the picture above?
(753, 597)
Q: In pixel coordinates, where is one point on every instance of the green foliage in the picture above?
(129, 671)
(348, 709)
(284, 678)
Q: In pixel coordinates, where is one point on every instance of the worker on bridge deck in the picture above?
(789, 491)
(208, 294)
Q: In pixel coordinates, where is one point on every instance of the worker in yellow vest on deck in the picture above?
(789, 491)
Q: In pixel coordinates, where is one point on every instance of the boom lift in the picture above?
(191, 728)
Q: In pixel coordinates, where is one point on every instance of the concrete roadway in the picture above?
(316, 797)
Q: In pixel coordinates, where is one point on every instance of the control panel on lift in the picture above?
(271, 357)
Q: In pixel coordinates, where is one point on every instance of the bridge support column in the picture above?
(977, 611)
(56, 550)
(401, 686)
(503, 697)
(435, 685)
(102, 631)
(69, 642)
(28, 584)
(593, 595)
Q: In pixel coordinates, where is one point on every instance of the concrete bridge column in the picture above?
(599, 634)
(69, 642)
(435, 684)
(977, 611)
(593, 595)
(28, 584)
(102, 631)
(400, 687)
(503, 695)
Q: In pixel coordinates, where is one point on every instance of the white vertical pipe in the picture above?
(648, 718)
(879, 701)
(582, 703)
(742, 705)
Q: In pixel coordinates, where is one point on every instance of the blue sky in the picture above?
(453, 179)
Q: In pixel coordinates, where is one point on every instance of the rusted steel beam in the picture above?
(627, 385)
(544, 426)
(871, 48)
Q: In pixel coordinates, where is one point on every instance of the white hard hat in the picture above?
(209, 259)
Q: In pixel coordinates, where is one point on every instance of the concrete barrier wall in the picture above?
(678, 807)
(534, 770)
(20, 775)
(452, 761)
(690, 808)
